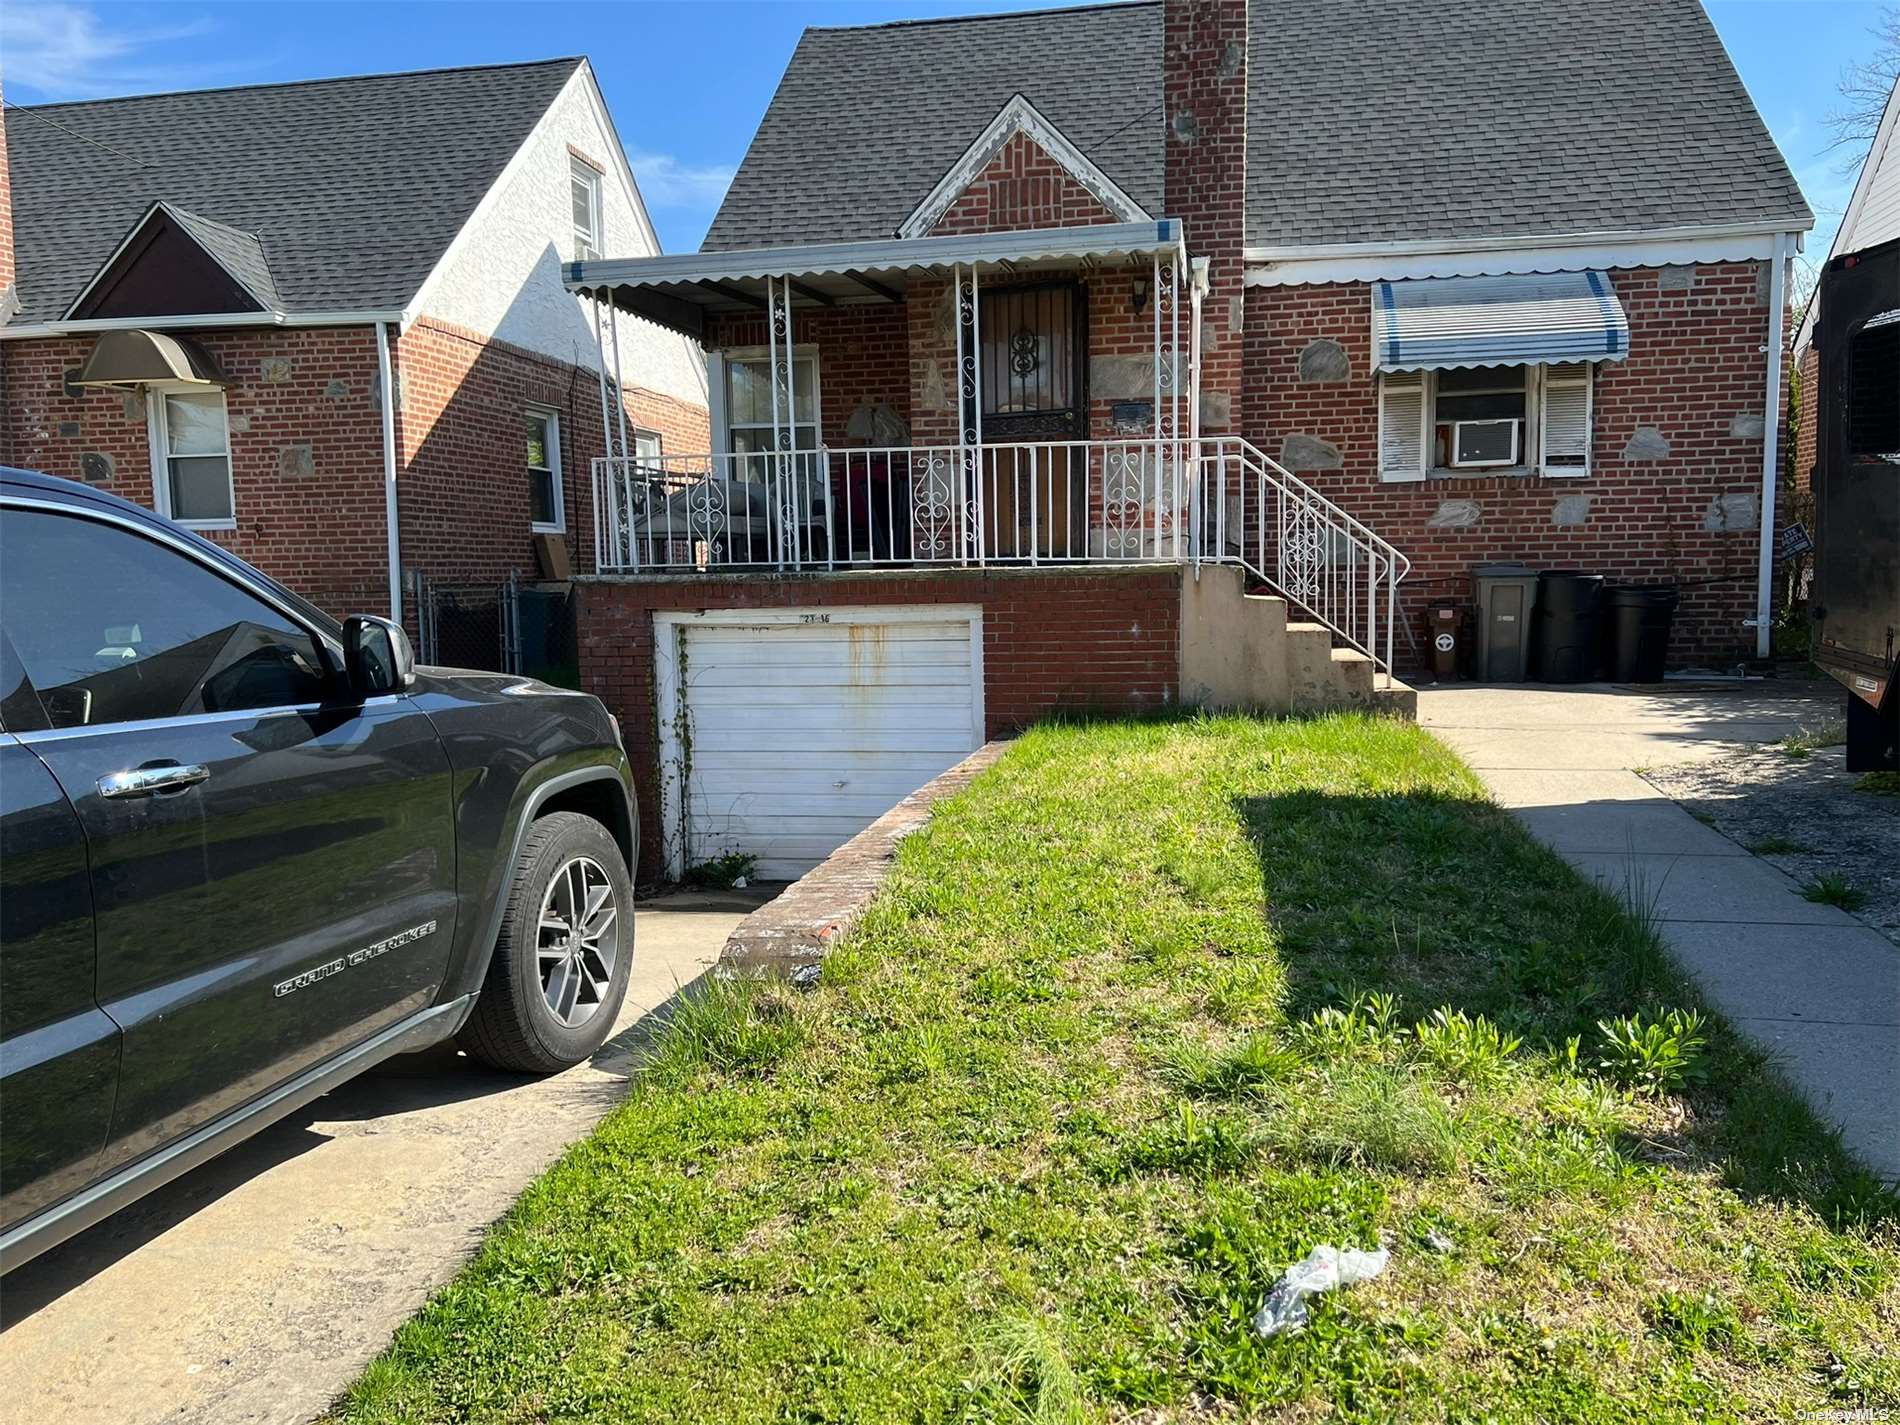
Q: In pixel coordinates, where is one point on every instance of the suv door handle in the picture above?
(149, 781)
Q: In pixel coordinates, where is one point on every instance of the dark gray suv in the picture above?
(247, 852)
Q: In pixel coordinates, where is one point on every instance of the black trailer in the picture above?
(1855, 598)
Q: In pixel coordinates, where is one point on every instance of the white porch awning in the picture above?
(1434, 322)
(679, 291)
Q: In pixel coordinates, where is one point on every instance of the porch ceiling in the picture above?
(680, 291)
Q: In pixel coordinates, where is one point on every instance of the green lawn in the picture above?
(1143, 1016)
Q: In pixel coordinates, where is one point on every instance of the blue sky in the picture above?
(686, 121)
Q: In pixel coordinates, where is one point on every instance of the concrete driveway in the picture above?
(1815, 986)
(257, 1287)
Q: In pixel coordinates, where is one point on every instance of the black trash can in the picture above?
(1640, 617)
(1564, 627)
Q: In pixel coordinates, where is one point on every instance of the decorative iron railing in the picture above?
(1218, 500)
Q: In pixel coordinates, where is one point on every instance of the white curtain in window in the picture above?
(194, 424)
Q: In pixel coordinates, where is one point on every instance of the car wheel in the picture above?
(560, 966)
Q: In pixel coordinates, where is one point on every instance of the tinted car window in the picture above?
(113, 627)
(19, 704)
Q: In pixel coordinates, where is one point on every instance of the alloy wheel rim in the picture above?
(575, 947)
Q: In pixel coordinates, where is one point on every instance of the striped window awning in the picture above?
(1427, 323)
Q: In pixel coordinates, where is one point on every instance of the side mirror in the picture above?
(377, 656)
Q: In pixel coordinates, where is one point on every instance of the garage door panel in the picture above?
(796, 692)
(775, 648)
(832, 670)
(743, 830)
(748, 763)
(795, 804)
(785, 635)
(803, 734)
(833, 683)
(781, 725)
(835, 740)
(724, 780)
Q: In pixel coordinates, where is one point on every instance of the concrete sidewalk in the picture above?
(1809, 982)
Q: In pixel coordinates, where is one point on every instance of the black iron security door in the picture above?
(1034, 359)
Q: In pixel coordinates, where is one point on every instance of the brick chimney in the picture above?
(1205, 94)
(9, 299)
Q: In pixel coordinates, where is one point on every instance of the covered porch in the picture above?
(1030, 398)
(1019, 398)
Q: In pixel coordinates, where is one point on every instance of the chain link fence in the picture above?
(505, 627)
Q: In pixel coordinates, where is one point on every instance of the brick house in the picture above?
(209, 292)
(1149, 362)
(1180, 351)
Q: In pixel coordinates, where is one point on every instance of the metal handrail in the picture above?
(1218, 499)
(1298, 554)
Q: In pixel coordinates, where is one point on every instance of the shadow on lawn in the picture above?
(1447, 901)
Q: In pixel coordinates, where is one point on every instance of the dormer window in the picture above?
(584, 185)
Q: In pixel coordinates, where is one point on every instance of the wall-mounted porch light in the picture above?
(1140, 294)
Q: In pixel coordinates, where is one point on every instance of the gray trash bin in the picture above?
(1506, 595)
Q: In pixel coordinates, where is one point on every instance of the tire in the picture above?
(549, 1002)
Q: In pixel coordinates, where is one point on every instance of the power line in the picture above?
(13, 108)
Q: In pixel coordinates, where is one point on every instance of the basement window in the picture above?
(583, 181)
(191, 449)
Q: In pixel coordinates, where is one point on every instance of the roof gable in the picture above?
(866, 120)
(166, 268)
(1873, 212)
(1019, 116)
(353, 188)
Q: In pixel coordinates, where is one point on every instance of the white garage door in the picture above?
(801, 727)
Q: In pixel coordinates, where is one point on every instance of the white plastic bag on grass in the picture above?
(1324, 1268)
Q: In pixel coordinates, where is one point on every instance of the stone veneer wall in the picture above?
(1674, 487)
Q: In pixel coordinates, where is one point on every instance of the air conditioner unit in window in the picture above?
(1493, 442)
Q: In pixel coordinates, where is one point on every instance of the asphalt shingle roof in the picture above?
(241, 253)
(349, 189)
(1368, 120)
(1375, 120)
(866, 120)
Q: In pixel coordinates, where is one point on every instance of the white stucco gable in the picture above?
(501, 277)
(1873, 213)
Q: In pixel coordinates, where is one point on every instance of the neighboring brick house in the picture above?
(1327, 303)
(207, 287)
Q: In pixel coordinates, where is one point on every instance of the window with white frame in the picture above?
(648, 449)
(749, 404)
(191, 456)
(583, 181)
(545, 512)
(1485, 420)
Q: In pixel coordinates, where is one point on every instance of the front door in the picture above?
(1034, 370)
(272, 867)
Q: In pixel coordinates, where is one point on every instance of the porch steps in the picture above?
(1248, 648)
